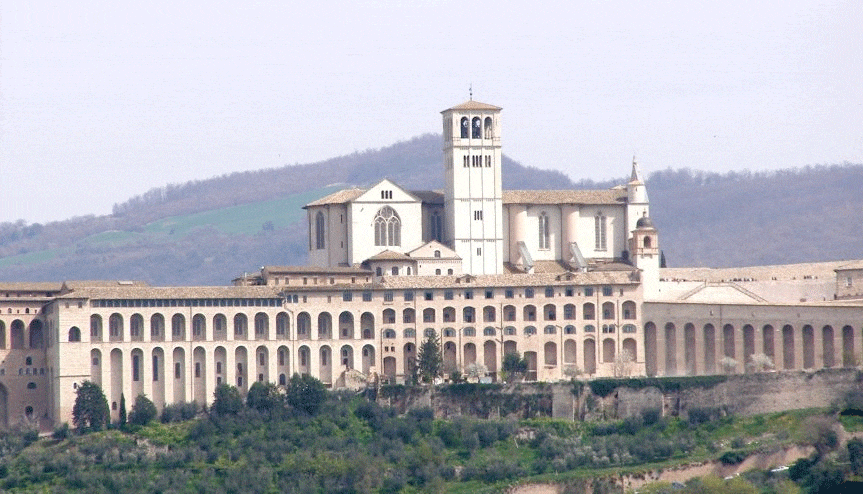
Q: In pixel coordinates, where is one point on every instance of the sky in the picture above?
(104, 100)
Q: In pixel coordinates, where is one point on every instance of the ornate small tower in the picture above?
(644, 248)
(637, 204)
(473, 196)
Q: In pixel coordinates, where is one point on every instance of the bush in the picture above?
(90, 412)
(61, 432)
(227, 400)
(143, 411)
(306, 394)
(179, 412)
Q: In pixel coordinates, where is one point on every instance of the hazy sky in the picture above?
(100, 101)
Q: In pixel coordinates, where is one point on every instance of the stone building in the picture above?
(570, 279)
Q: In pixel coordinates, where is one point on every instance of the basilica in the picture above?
(569, 279)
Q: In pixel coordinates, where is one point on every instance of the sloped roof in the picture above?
(315, 270)
(429, 196)
(30, 286)
(474, 105)
(339, 197)
(851, 266)
(389, 255)
(609, 196)
(179, 292)
(432, 245)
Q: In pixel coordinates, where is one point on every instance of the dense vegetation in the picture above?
(305, 439)
(207, 231)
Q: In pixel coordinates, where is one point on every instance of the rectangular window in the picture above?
(549, 292)
(347, 296)
(599, 232)
(528, 293)
(388, 296)
(178, 371)
(367, 296)
(409, 296)
(155, 368)
(588, 291)
(569, 291)
(489, 294)
(478, 251)
(136, 368)
(607, 291)
(477, 215)
(197, 369)
(448, 295)
(429, 295)
(468, 295)
(509, 293)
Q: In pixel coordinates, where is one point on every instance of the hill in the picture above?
(207, 232)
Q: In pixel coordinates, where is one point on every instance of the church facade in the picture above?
(568, 279)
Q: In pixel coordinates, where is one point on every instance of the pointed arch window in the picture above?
(320, 241)
(488, 128)
(544, 235)
(476, 128)
(388, 227)
(600, 231)
(465, 124)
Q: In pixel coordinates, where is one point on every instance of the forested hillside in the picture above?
(210, 231)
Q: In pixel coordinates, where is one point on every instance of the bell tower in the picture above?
(473, 196)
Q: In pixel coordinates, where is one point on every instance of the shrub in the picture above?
(143, 411)
(305, 393)
(227, 400)
(90, 412)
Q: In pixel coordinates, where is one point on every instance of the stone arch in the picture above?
(529, 312)
(448, 314)
(670, 349)
(532, 366)
(428, 315)
(828, 344)
(510, 346)
(709, 349)
(137, 365)
(768, 342)
(570, 352)
(748, 343)
(410, 355)
(325, 326)
(368, 356)
(608, 311)
(550, 354)
(115, 327)
(178, 327)
(37, 337)
(631, 346)
(409, 316)
(629, 310)
(689, 349)
(650, 346)
(346, 356)
(74, 334)
(179, 374)
(468, 315)
(2, 335)
(304, 360)
(241, 327)
(388, 316)
(199, 327)
(808, 347)
(367, 326)
(262, 326)
(788, 347)
(728, 344)
(159, 376)
(489, 313)
(95, 328)
(136, 328)
(304, 326)
(325, 359)
(589, 356)
(849, 358)
(469, 354)
(608, 348)
(241, 359)
(157, 327)
(220, 327)
(509, 313)
(449, 357)
(346, 326)
(116, 384)
(283, 363)
(96, 366)
(283, 326)
(390, 368)
(199, 375)
(489, 357)
(549, 312)
(262, 364)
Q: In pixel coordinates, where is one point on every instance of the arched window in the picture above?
(465, 123)
(436, 230)
(646, 242)
(488, 128)
(599, 232)
(319, 231)
(389, 334)
(74, 334)
(388, 227)
(544, 236)
(395, 271)
(476, 128)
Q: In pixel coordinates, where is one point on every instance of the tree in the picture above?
(514, 365)
(90, 412)
(122, 410)
(306, 393)
(623, 363)
(143, 411)
(662, 263)
(429, 359)
(227, 400)
(264, 397)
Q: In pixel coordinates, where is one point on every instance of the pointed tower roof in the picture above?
(636, 172)
(473, 105)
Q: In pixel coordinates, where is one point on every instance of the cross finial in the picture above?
(470, 91)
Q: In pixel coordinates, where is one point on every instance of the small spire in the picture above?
(636, 173)
(470, 91)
